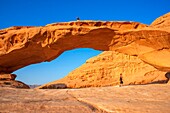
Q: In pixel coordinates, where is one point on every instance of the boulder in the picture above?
(13, 84)
(8, 80)
(7, 76)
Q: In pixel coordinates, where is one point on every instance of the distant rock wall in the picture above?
(105, 70)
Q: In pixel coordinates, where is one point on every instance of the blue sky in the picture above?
(42, 12)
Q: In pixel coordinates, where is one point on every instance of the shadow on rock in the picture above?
(13, 84)
(55, 86)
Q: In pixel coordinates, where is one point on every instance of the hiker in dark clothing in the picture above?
(167, 75)
(121, 80)
(78, 19)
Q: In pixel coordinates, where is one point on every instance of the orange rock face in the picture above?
(8, 80)
(140, 52)
(22, 46)
(13, 84)
(105, 70)
(7, 76)
(162, 22)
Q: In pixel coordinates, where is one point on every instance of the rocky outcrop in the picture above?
(8, 80)
(162, 22)
(105, 70)
(22, 46)
(55, 86)
(7, 76)
(13, 84)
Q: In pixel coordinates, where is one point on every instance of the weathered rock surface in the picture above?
(34, 86)
(13, 84)
(7, 76)
(54, 86)
(162, 22)
(22, 46)
(105, 69)
(8, 80)
(127, 99)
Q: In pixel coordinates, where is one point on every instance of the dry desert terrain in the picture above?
(153, 98)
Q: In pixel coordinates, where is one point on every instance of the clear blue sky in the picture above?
(42, 12)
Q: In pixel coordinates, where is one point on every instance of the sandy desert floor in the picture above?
(153, 98)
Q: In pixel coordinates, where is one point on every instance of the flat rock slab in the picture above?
(126, 99)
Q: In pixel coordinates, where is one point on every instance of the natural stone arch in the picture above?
(22, 46)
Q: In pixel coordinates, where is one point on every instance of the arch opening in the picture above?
(41, 73)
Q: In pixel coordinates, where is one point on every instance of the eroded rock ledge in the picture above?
(8, 80)
(22, 46)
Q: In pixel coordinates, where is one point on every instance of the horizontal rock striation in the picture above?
(105, 70)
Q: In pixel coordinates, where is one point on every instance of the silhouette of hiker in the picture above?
(78, 19)
(167, 75)
(121, 80)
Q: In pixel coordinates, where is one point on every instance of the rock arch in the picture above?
(22, 46)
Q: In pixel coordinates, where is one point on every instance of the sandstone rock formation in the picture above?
(13, 84)
(8, 80)
(7, 76)
(54, 86)
(22, 46)
(162, 22)
(105, 69)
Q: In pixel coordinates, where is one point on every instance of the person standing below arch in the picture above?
(121, 80)
(167, 75)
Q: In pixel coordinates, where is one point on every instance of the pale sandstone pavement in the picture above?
(126, 99)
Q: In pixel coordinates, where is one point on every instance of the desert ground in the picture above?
(151, 98)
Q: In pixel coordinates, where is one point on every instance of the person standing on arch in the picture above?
(78, 19)
(121, 80)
